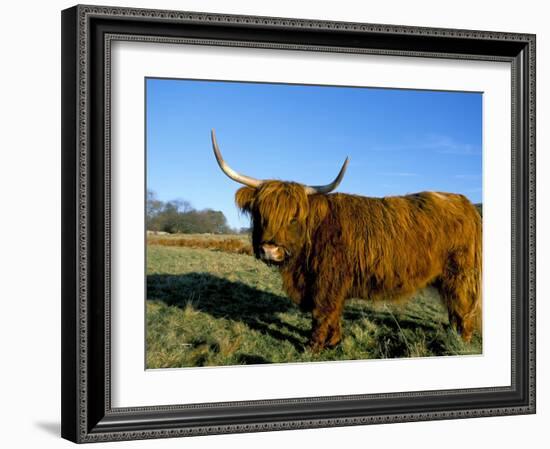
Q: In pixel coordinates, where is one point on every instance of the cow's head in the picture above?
(282, 213)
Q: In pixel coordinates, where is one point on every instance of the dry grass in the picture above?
(236, 244)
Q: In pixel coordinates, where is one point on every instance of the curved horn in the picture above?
(246, 180)
(310, 190)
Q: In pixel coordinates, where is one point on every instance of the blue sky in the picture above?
(399, 141)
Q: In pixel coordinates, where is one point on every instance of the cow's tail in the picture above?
(472, 318)
(477, 306)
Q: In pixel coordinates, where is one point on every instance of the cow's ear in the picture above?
(244, 198)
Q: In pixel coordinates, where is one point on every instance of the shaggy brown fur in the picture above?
(340, 246)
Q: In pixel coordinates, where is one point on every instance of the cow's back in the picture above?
(393, 246)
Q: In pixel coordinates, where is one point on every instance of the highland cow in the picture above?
(333, 246)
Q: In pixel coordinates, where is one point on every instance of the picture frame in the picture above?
(87, 411)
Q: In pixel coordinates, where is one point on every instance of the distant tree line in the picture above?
(178, 216)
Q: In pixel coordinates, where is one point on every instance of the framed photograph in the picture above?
(278, 224)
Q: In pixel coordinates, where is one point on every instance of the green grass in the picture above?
(211, 308)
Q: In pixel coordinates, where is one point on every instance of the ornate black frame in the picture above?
(87, 32)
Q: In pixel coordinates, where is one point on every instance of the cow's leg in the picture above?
(326, 319)
(460, 290)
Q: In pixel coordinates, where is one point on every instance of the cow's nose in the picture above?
(266, 249)
(269, 251)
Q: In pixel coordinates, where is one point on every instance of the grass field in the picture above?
(211, 306)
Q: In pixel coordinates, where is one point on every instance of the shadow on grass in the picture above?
(399, 332)
(396, 333)
(388, 319)
(221, 298)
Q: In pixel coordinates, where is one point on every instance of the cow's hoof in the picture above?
(333, 343)
(466, 337)
(315, 347)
